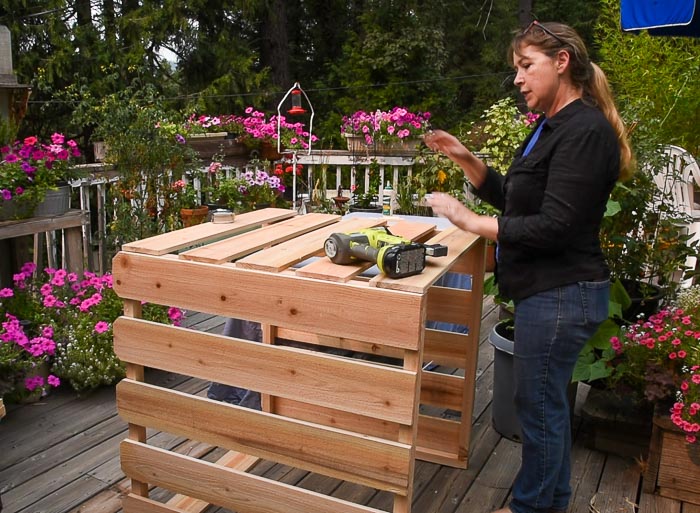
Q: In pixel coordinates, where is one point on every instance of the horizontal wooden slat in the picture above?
(322, 379)
(137, 504)
(289, 253)
(371, 348)
(449, 305)
(231, 459)
(457, 241)
(340, 454)
(446, 347)
(443, 390)
(205, 232)
(439, 434)
(345, 310)
(228, 488)
(244, 244)
(326, 270)
(336, 418)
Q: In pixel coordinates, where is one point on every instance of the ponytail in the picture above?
(599, 89)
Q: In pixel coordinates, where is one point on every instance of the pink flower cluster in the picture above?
(685, 413)
(35, 160)
(671, 340)
(670, 332)
(58, 305)
(398, 123)
(256, 126)
(33, 350)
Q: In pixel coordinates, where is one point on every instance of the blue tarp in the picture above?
(661, 17)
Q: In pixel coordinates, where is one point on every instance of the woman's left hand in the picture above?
(447, 206)
(459, 215)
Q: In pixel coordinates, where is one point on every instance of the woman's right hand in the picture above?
(444, 142)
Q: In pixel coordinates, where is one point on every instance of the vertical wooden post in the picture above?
(412, 361)
(132, 308)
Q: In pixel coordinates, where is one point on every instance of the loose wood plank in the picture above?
(318, 378)
(205, 232)
(378, 463)
(229, 488)
(244, 244)
(231, 459)
(289, 253)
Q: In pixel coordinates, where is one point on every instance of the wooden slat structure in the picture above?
(351, 415)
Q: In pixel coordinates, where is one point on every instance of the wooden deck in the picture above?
(62, 456)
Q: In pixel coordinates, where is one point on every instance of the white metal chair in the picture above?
(680, 177)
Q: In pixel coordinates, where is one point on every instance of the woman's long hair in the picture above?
(553, 37)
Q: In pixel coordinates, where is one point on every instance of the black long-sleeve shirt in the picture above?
(553, 201)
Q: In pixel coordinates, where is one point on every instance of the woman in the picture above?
(549, 258)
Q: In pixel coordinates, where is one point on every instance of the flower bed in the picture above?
(65, 321)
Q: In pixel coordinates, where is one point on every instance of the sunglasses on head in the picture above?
(537, 24)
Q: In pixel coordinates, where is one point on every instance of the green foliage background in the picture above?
(444, 56)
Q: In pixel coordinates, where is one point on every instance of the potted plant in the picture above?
(30, 169)
(62, 322)
(188, 201)
(254, 189)
(394, 130)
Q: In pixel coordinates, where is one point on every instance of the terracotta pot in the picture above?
(193, 216)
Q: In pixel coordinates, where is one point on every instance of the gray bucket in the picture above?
(56, 202)
(503, 414)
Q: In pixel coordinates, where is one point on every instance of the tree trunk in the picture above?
(275, 47)
(525, 12)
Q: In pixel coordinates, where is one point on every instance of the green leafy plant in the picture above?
(149, 153)
(500, 133)
(184, 195)
(641, 233)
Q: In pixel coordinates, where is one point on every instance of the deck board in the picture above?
(61, 456)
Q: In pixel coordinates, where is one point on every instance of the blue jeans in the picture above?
(551, 327)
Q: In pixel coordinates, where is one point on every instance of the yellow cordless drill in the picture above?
(395, 256)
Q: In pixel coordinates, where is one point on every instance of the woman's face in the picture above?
(537, 77)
